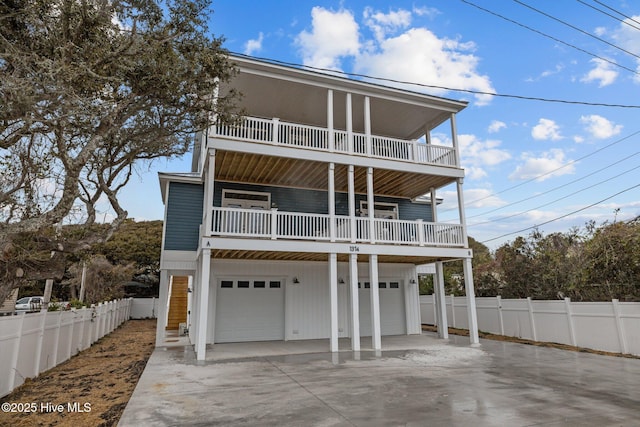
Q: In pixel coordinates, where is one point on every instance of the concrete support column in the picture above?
(355, 308)
(461, 213)
(331, 190)
(471, 301)
(162, 307)
(209, 177)
(203, 304)
(333, 295)
(331, 141)
(438, 287)
(376, 339)
(371, 205)
(352, 202)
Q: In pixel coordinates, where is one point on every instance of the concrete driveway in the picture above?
(416, 381)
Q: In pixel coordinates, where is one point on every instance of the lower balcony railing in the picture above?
(275, 225)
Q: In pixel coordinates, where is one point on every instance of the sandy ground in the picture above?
(90, 389)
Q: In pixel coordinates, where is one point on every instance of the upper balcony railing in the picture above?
(278, 132)
(278, 225)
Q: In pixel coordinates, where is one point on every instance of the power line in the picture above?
(551, 37)
(624, 21)
(404, 82)
(617, 11)
(563, 216)
(556, 200)
(576, 28)
(555, 188)
(554, 170)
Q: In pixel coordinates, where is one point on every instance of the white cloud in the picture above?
(578, 139)
(628, 38)
(382, 24)
(394, 51)
(333, 35)
(600, 127)
(477, 154)
(548, 164)
(254, 45)
(473, 198)
(600, 31)
(602, 73)
(496, 126)
(546, 129)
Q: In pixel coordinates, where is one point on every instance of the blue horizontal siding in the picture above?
(316, 201)
(184, 216)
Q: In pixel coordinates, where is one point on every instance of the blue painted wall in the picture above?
(184, 215)
(315, 201)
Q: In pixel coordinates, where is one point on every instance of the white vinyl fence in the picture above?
(144, 308)
(31, 343)
(608, 326)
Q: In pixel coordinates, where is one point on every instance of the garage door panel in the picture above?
(392, 310)
(249, 314)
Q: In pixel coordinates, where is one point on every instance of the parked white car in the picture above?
(29, 303)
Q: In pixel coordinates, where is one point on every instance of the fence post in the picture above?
(567, 304)
(43, 323)
(56, 340)
(619, 326)
(531, 319)
(499, 302)
(435, 305)
(71, 329)
(453, 311)
(16, 353)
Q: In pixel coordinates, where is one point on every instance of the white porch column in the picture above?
(333, 292)
(162, 307)
(367, 124)
(349, 122)
(352, 202)
(471, 301)
(331, 190)
(461, 213)
(454, 138)
(203, 304)
(438, 287)
(331, 139)
(207, 204)
(355, 308)
(376, 339)
(371, 205)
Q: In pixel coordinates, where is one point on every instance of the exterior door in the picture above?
(392, 310)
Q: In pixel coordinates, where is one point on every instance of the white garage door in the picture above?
(392, 315)
(249, 310)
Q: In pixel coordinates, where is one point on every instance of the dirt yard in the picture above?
(90, 389)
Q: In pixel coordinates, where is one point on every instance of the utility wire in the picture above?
(550, 37)
(404, 82)
(624, 21)
(556, 200)
(554, 170)
(576, 28)
(555, 188)
(617, 11)
(563, 216)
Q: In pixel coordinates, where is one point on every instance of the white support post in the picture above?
(41, 329)
(454, 138)
(274, 223)
(331, 140)
(331, 190)
(275, 135)
(162, 307)
(438, 287)
(472, 314)
(16, 350)
(434, 301)
(532, 319)
(619, 327)
(367, 125)
(376, 339)
(352, 202)
(461, 213)
(203, 303)
(333, 292)
(453, 309)
(420, 225)
(349, 122)
(209, 178)
(371, 205)
(500, 316)
(355, 308)
(572, 332)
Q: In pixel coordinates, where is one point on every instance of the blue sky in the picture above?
(527, 162)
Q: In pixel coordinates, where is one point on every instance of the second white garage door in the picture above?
(249, 310)
(393, 320)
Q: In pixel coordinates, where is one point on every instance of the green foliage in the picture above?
(76, 303)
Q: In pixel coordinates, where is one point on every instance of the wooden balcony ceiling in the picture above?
(321, 257)
(288, 172)
(300, 96)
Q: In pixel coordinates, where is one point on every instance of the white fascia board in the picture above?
(328, 157)
(178, 260)
(266, 245)
(166, 177)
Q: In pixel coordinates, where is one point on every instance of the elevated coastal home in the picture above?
(307, 220)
